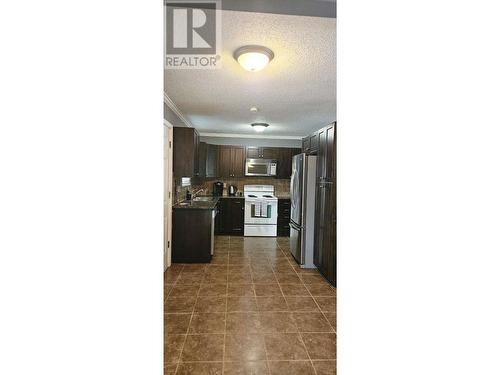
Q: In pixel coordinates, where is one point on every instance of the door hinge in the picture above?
(168, 244)
(169, 144)
(169, 194)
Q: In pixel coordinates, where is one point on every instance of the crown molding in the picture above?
(170, 104)
(233, 135)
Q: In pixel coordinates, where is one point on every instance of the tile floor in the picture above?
(252, 310)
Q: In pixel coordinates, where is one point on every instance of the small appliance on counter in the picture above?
(231, 190)
(218, 188)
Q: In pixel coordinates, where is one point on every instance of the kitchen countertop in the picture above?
(211, 204)
(202, 205)
(197, 205)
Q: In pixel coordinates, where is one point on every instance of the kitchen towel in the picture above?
(257, 209)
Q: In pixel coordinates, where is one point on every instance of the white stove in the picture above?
(261, 210)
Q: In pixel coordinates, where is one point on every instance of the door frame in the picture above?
(168, 140)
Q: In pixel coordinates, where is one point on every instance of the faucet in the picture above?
(196, 193)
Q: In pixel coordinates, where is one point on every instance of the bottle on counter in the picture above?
(188, 195)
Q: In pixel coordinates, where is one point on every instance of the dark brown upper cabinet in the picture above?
(231, 161)
(284, 158)
(186, 152)
(202, 159)
(310, 144)
(262, 152)
(211, 161)
(207, 160)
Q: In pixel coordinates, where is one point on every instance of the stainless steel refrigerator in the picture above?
(302, 196)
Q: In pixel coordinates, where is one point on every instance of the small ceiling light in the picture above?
(253, 58)
(254, 109)
(259, 126)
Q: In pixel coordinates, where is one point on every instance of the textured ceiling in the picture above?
(295, 93)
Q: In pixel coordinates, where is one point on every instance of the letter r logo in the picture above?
(181, 28)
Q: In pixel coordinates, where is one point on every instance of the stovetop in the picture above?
(259, 192)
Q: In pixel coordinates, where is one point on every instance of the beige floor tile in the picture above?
(210, 304)
(176, 323)
(295, 290)
(267, 290)
(179, 304)
(325, 367)
(312, 322)
(208, 323)
(301, 304)
(274, 303)
(243, 322)
(172, 348)
(291, 368)
(272, 322)
(237, 290)
(203, 348)
(200, 368)
(285, 346)
(321, 345)
(244, 347)
(241, 304)
(246, 368)
(213, 290)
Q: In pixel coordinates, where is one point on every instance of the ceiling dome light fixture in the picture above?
(253, 58)
(259, 126)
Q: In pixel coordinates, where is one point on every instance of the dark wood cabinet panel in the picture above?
(231, 161)
(211, 161)
(202, 159)
(253, 152)
(314, 143)
(306, 144)
(284, 160)
(185, 152)
(269, 152)
(261, 152)
(322, 156)
(191, 236)
(238, 161)
(325, 247)
(283, 217)
(230, 217)
(224, 163)
(330, 158)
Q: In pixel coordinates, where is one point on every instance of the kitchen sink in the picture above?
(203, 199)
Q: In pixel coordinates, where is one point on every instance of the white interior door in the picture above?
(167, 193)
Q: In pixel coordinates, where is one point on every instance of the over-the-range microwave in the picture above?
(260, 167)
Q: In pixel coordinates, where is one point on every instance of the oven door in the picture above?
(256, 167)
(260, 211)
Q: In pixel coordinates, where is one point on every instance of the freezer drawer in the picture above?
(296, 243)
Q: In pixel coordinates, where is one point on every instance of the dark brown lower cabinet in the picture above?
(284, 217)
(230, 217)
(191, 235)
(325, 249)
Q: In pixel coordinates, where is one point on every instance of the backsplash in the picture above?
(281, 186)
